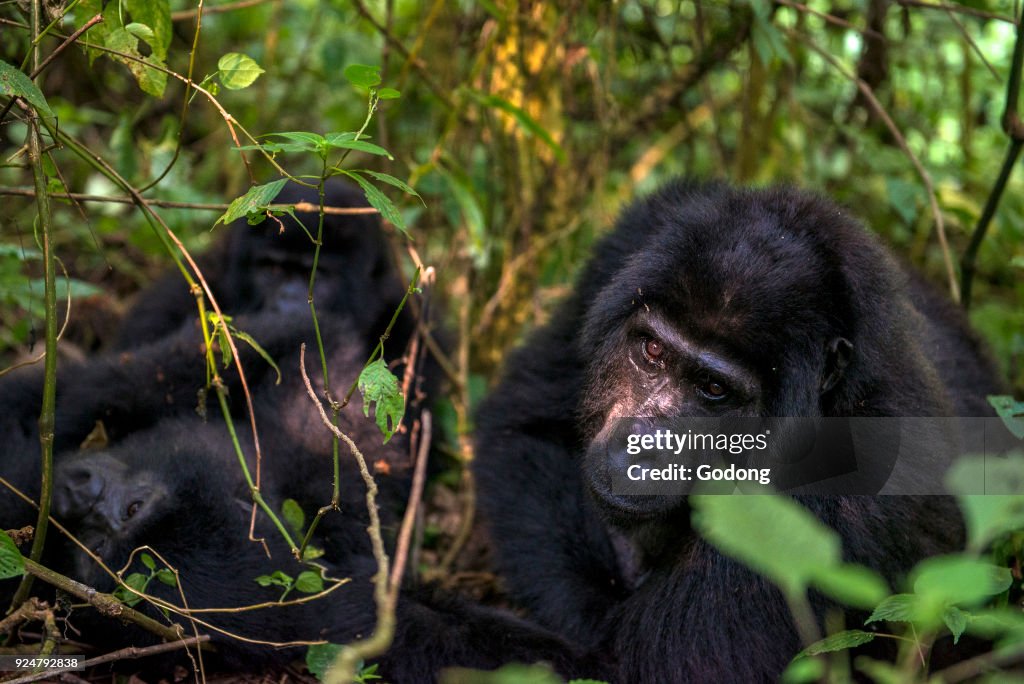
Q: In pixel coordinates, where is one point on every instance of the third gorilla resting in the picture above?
(708, 300)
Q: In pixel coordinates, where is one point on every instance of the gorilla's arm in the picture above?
(551, 547)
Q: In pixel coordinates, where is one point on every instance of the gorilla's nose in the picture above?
(78, 488)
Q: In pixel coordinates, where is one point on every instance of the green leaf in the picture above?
(988, 516)
(379, 201)
(17, 84)
(803, 670)
(309, 582)
(148, 561)
(249, 340)
(136, 581)
(255, 200)
(1012, 413)
(140, 31)
(155, 16)
(320, 657)
(166, 577)
(391, 180)
(292, 513)
(852, 585)
(773, 535)
(959, 579)
(362, 75)
(312, 553)
(237, 71)
(388, 94)
(840, 641)
(12, 563)
(956, 620)
(379, 385)
(277, 578)
(151, 81)
(361, 146)
(896, 608)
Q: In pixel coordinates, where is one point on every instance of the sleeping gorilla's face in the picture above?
(742, 310)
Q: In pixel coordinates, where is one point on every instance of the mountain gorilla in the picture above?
(705, 301)
(266, 267)
(169, 480)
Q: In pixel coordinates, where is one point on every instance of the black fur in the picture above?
(809, 316)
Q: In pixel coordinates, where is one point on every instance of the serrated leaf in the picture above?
(320, 657)
(12, 563)
(309, 582)
(840, 641)
(237, 71)
(256, 199)
(150, 80)
(956, 621)
(379, 201)
(148, 561)
(379, 386)
(896, 608)
(16, 84)
(362, 75)
(293, 515)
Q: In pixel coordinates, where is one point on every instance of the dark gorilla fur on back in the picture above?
(809, 316)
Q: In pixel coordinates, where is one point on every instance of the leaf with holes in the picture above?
(379, 386)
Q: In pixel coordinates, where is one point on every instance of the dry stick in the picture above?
(869, 95)
(1014, 128)
(343, 669)
(185, 15)
(301, 207)
(415, 497)
(129, 653)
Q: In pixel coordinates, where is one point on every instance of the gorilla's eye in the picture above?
(712, 389)
(653, 348)
(132, 509)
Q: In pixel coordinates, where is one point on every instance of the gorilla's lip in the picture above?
(633, 508)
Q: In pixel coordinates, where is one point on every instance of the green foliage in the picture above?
(1012, 413)
(137, 582)
(12, 564)
(253, 204)
(237, 71)
(840, 641)
(783, 541)
(320, 657)
(378, 385)
(150, 23)
(16, 84)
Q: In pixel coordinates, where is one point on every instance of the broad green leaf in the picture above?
(277, 578)
(896, 608)
(148, 561)
(150, 80)
(851, 585)
(379, 386)
(388, 94)
(155, 15)
(959, 579)
(379, 201)
(803, 670)
(840, 641)
(309, 582)
(16, 84)
(167, 577)
(773, 535)
(237, 71)
(255, 200)
(140, 31)
(136, 581)
(320, 657)
(362, 75)
(12, 563)
(293, 515)
(989, 515)
(956, 621)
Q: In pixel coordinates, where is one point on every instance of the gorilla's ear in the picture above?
(837, 355)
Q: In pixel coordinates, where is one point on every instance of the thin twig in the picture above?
(419, 478)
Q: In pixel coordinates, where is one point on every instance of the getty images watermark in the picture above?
(802, 455)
